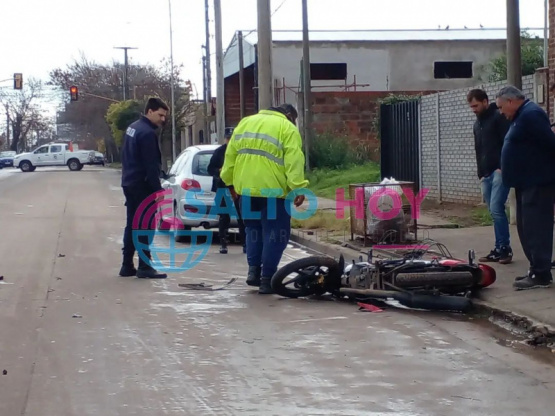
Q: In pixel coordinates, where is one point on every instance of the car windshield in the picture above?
(7, 154)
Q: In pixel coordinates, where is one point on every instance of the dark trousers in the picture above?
(534, 216)
(224, 220)
(134, 197)
(267, 232)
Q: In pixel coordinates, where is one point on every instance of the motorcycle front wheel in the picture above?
(313, 275)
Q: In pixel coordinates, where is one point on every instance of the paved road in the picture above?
(152, 348)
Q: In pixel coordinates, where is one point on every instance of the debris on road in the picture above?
(5, 372)
(61, 255)
(204, 286)
(367, 307)
(77, 316)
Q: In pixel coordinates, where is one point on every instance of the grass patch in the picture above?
(322, 220)
(324, 182)
(114, 165)
(482, 217)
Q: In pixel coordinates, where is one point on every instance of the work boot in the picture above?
(253, 278)
(265, 286)
(127, 267)
(532, 282)
(149, 272)
(127, 270)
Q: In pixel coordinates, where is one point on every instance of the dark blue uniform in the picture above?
(528, 165)
(141, 157)
(141, 168)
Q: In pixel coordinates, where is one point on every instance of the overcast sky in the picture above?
(39, 35)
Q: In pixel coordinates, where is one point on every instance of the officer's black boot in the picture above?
(253, 278)
(265, 286)
(146, 271)
(127, 266)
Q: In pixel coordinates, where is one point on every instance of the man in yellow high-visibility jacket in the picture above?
(264, 163)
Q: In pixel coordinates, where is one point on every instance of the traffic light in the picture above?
(74, 92)
(17, 81)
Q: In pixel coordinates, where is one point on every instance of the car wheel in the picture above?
(26, 166)
(74, 165)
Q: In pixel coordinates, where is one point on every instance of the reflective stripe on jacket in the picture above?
(264, 156)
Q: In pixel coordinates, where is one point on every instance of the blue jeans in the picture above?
(267, 230)
(495, 195)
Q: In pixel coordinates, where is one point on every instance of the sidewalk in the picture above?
(537, 304)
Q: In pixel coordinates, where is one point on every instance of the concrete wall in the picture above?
(383, 65)
(449, 167)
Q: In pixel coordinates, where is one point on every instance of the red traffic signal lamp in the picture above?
(74, 93)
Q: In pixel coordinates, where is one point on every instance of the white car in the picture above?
(189, 173)
(53, 154)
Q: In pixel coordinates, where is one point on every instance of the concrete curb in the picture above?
(537, 332)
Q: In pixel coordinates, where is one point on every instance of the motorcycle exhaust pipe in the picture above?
(415, 301)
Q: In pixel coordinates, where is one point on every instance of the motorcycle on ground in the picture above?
(414, 281)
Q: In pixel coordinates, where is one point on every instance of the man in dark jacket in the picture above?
(214, 168)
(141, 169)
(528, 165)
(490, 129)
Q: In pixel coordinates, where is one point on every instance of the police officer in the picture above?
(264, 162)
(224, 219)
(141, 169)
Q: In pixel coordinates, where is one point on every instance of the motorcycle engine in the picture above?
(356, 275)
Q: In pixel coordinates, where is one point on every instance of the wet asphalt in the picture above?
(76, 339)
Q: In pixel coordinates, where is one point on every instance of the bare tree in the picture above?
(101, 85)
(23, 110)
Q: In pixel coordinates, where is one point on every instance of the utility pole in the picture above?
(208, 100)
(241, 75)
(514, 61)
(8, 125)
(204, 96)
(172, 86)
(514, 70)
(220, 107)
(307, 122)
(126, 74)
(545, 34)
(265, 85)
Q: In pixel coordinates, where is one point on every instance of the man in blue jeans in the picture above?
(264, 164)
(490, 129)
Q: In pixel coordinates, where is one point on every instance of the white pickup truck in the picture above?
(53, 154)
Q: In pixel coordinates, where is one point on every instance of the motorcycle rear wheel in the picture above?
(315, 275)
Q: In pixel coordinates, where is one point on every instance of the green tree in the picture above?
(531, 55)
(120, 115)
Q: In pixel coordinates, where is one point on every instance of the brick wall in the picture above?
(454, 178)
(351, 114)
(233, 97)
(551, 55)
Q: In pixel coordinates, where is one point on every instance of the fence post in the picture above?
(438, 149)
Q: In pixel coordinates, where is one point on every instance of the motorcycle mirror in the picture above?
(471, 256)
